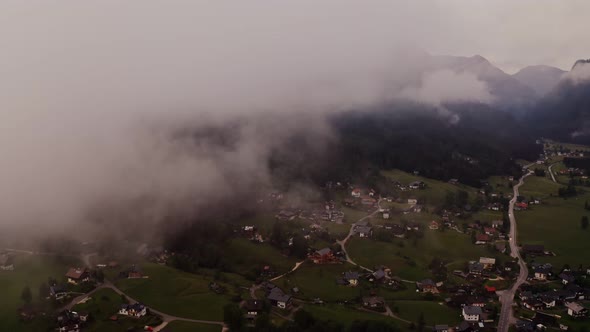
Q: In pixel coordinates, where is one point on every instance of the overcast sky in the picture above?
(509, 33)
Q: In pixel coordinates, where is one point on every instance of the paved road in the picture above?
(342, 242)
(551, 173)
(507, 297)
(297, 265)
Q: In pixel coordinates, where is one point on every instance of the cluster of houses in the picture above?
(251, 233)
(362, 198)
(328, 212)
(72, 321)
(280, 299)
(415, 185)
(573, 172)
(486, 234)
(381, 276)
(569, 298)
(474, 302)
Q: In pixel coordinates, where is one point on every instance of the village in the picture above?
(422, 253)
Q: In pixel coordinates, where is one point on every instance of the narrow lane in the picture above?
(551, 173)
(343, 242)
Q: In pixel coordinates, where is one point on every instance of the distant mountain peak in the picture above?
(580, 63)
(541, 78)
(479, 58)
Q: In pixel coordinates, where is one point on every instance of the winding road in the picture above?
(166, 318)
(507, 298)
(343, 242)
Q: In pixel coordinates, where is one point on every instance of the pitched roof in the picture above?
(482, 237)
(471, 310)
(279, 296)
(363, 229)
(324, 251)
(574, 306)
(76, 272)
(379, 274)
(135, 307)
(373, 300)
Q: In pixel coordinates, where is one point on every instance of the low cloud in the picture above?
(100, 112)
(447, 86)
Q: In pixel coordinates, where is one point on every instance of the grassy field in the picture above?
(244, 255)
(178, 326)
(338, 230)
(556, 224)
(500, 184)
(320, 281)
(434, 312)
(177, 293)
(435, 191)
(352, 215)
(539, 187)
(411, 261)
(28, 271)
(346, 315)
(487, 216)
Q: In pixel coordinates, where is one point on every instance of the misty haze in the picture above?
(308, 165)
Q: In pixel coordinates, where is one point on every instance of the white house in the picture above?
(471, 313)
(356, 192)
(133, 310)
(412, 201)
(487, 262)
(576, 310)
(364, 231)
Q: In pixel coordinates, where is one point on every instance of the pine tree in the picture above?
(26, 295)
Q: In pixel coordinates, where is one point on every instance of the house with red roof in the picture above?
(482, 239)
